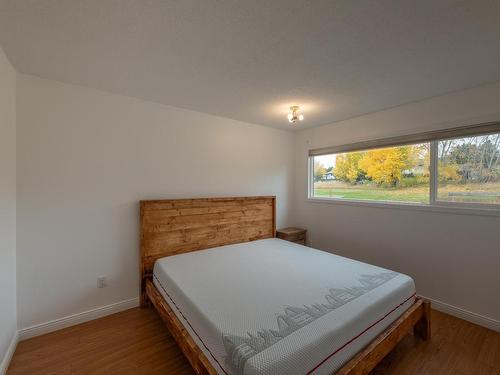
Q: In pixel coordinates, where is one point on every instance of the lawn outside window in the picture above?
(457, 168)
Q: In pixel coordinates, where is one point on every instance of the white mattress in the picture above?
(275, 307)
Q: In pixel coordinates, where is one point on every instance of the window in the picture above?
(392, 174)
(448, 168)
(468, 170)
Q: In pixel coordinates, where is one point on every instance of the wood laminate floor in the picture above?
(136, 342)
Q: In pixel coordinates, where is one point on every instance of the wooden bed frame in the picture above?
(176, 226)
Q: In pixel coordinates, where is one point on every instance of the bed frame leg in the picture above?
(145, 303)
(422, 328)
(144, 299)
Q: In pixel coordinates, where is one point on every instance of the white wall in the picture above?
(8, 323)
(454, 258)
(85, 159)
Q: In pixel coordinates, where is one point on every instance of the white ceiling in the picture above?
(250, 60)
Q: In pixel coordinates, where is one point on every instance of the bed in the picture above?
(239, 301)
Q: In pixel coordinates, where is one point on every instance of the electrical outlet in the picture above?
(102, 282)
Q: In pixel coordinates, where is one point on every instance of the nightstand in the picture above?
(297, 235)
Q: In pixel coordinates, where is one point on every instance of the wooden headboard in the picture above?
(176, 226)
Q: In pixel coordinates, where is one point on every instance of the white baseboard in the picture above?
(71, 320)
(465, 314)
(4, 365)
(68, 321)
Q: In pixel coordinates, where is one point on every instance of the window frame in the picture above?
(433, 139)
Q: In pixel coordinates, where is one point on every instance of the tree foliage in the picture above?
(385, 166)
(470, 159)
(382, 166)
(319, 170)
(474, 158)
(448, 172)
(347, 167)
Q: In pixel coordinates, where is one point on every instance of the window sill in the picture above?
(410, 206)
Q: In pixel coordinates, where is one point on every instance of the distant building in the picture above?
(328, 176)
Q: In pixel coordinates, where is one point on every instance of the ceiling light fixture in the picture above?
(294, 115)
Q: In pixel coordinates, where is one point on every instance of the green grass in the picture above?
(414, 194)
(417, 195)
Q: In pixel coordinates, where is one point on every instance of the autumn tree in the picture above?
(347, 167)
(474, 158)
(466, 153)
(319, 170)
(448, 172)
(385, 166)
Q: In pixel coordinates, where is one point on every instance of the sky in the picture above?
(327, 160)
